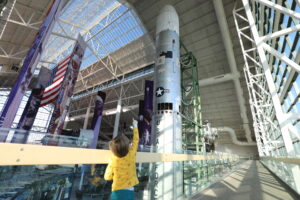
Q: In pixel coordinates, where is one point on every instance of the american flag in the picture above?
(57, 77)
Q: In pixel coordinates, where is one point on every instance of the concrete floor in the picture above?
(251, 181)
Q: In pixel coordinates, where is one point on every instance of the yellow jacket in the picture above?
(122, 170)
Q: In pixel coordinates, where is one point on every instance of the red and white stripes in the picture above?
(51, 92)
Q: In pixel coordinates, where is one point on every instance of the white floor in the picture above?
(252, 181)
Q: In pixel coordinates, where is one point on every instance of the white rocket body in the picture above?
(167, 104)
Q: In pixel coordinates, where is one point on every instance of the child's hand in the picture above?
(134, 123)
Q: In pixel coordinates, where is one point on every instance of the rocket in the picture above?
(167, 103)
(168, 82)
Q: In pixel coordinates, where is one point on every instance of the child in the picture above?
(121, 168)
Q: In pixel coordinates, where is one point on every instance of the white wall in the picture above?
(236, 149)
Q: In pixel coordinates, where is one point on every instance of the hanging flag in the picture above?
(96, 123)
(148, 111)
(17, 92)
(51, 92)
(67, 86)
(145, 114)
(141, 126)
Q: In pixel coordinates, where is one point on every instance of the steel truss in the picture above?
(192, 132)
(271, 123)
(33, 22)
(193, 138)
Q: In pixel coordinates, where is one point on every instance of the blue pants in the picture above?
(122, 195)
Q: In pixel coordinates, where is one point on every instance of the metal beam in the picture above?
(72, 24)
(7, 17)
(280, 8)
(10, 57)
(271, 85)
(281, 32)
(105, 112)
(64, 36)
(281, 57)
(143, 75)
(23, 24)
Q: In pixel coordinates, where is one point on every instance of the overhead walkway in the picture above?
(250, 181)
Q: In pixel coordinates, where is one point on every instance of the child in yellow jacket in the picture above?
(121, 168)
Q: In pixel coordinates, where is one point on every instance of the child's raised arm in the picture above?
(135, 140)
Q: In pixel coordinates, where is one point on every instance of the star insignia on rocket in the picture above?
(160, 91)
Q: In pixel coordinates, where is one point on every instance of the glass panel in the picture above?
(41, 138)
(288, 173)
(86, 181)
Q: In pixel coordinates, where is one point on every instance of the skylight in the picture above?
(105, 25)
